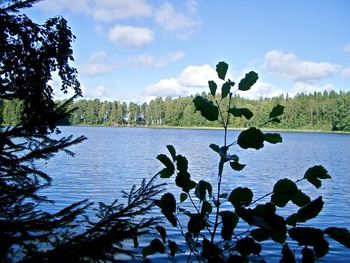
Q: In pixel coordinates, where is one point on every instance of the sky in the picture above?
(136, 50)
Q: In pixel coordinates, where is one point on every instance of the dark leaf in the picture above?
(300, 199)
(314, 174)
(308, 255)
(283, 191)
(287, 255)
(272, 138)
(196, 223)
(183, 197)
(206, 208)
(167, 202)
(225, 90)
(248, 81)
(237, 166)
(157, 246)
(276, 111)
(292, 220)
(161, 230)
(202, 188)
(173, 248)
(181, 163)
(212, 87)
(216, 148)
(260, 234)
(310, 210)
(183, 180)
(251, 138)
(239, 112)
(229, 222)
(248, 246)
(340, 235)
(210, 251)
(241, 196)
(306, 236)
(148, 250)
(207, 108)
(166, 161)
(172, 151)
(221, 69)
(166, 173)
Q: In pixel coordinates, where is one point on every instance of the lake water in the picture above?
(113, 159)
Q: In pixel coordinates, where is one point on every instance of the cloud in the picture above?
(148, 60)
(182, 23)
(261, 90)
(98, 63)
(92, 93)
(346, 73)
(288, 65)
(302, 87)
(193, 79)
(101, 10)
(347, 48)
(130, 36)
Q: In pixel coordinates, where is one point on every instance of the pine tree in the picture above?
(30, 54)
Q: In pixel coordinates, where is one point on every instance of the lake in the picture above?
(113, 159)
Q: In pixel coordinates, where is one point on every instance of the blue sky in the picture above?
(134, 50)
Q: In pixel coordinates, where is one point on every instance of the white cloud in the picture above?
(101, 10)
(180, 22)
(346, 73)
(98, 63)
(290, 66)
(130, 36)
(148, 60)
(261, 90)
(92, 93)
(302, 87)
(193, 79)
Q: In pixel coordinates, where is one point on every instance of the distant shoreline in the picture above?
(211, 128)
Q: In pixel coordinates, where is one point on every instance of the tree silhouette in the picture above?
(30, 55)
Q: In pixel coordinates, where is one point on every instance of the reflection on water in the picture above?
(113, 159)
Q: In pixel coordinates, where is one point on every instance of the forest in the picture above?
(327, 111)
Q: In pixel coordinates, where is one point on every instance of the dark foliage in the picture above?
(30, 55)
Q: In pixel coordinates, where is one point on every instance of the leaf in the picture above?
(166, 173)
(251, 138)
(276, 111)
(292, 220)
(237, 166)
(239, 112)
(300, 199)
(183, 197)
(241, 196)
(221, 69)
(173, 248)
(315, 173)
(225, 90)
(248, 81)
(207, 108)
(310, 210)
(308, 255)
(181, 163)
(306, 236)
(201, 189)
(283, 191)
(272, 138)
(340, 235)
(260, 234)
(161, 230)
(166, 161)
(287, 255)
(247, 246)
(206, 208)
(157, 246)
(212, 87)
(216, 148)
(229, 222)
(172, 151)
(183, 180)
(196, 223)
(167, 202)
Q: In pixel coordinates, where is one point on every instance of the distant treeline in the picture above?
(317, 111)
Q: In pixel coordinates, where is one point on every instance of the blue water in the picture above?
(113, 159)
